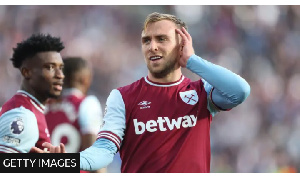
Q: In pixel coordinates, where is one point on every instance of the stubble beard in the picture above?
(53, 95)
(168, 68)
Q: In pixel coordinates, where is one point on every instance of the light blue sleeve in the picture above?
(90, 115)
(226, 88)
(101, 153)
(210, 106)
(18, 130)
(98, 156)
(114, 117)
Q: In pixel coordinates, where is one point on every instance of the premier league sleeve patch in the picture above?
(17, 126)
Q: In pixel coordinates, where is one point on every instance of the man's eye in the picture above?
(51, 67)
(162, 39)
(146, 40)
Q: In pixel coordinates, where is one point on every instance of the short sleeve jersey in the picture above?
(166, 127)
(22, 124)
(71, 117)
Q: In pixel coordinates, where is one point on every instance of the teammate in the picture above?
(75, 118)
(22, 120)
(161, 123)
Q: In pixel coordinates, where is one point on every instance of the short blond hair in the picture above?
(155, 17)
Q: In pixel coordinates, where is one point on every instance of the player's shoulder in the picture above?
(90, 100)
(73, 97)
(196, 83)
(15, 102)
(17, 116)
(133, 87)
(19, 130)
(17, 112)
(91, 97)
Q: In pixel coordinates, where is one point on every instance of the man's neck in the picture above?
(171, 77)
(29, 90)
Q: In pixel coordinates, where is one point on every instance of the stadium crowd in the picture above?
(260, 43)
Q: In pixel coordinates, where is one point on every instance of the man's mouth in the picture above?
(155, 58)
(58, 86)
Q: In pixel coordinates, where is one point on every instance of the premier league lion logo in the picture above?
(17, 126)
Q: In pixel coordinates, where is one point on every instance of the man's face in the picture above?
(160, 46)
(47, 75)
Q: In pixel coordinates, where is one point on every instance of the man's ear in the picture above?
(26, 73)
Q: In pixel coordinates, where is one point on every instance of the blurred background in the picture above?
(260, 43)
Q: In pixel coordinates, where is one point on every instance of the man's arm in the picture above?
(90, 119)
(227, 88)
(101, 153)
(18, 131)
(98, 156)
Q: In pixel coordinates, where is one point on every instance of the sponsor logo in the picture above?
(144, 104)
(164, 124)
(17, 126)
(189, 97)
(12, 140)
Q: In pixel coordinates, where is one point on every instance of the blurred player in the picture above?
(75, 118)
(22, 120)
(161, 123)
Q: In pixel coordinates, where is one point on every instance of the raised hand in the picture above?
(186, 49)
(50, 147)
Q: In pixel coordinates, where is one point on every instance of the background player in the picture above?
(22, 120)
(75, 118)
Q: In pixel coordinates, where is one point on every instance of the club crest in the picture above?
(189, 97)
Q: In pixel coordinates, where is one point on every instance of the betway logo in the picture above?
(164, 123)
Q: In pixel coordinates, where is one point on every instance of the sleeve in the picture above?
(101, 153)
(18, 131)
(98, 156)
(225, 89)
(114, 119)
(210, 105)
(90, 115)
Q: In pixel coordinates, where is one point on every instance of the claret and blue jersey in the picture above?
(168, 123)
(165, 127)
(22, 124)
(75, 115)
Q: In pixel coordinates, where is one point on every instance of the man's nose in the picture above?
(153, 46)
(59, 74)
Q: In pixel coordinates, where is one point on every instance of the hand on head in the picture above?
(50, 148)
(186, 49)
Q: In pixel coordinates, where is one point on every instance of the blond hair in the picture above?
(155, 17)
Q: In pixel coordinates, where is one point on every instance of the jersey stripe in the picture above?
(160, 85)
(5, 149)
(111, 136)
(33, 100)
(36, 106)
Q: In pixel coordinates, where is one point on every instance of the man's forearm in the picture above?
(104, 149)
(228, 84)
